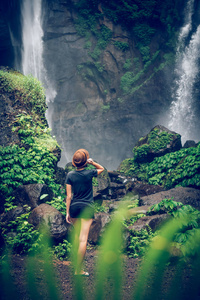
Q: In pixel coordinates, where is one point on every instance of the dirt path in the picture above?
(65, 278)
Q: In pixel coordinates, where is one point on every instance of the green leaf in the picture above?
(43, 196)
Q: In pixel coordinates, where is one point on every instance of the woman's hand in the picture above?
(99, 168)
(68, 219)
(90, 161)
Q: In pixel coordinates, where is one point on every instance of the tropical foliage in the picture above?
(180, 168)
(34, 159)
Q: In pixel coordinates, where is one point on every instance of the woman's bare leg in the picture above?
(83, 238)
(77, 225)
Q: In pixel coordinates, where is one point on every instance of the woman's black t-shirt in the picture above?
(81, 182)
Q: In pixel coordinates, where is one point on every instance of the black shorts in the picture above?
(80, 210)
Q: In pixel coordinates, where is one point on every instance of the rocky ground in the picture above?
(65, 280)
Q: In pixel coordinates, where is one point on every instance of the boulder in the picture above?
(117, 187)
(152, 221)
(60, 176)
(159, 141)
(97, 227)
(11, 215)
(30, 194)
(189, 144)
(138, 210)
(103, 183)
(117, 190)
(142, 189)
(113, 206)
(47, 215)
(185, 195)
(116, 177)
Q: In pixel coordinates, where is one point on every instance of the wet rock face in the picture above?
(10, 22)
(90, 109)
(6, 49)
(7, 114)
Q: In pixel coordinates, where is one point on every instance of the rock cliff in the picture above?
(98, 106)
(111, 77)
(10, 33)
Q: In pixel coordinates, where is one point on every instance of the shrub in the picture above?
(121, 45)
(106, 33)
(128, 64)
(130, 78)
(139, 242)
(59, 204)
(96, 53)
(99, 66)
(62, 250)
(143, 32)
(99, 208)
(20, 236)
(88, 45)
(140, 153)
(126, 81)
(180, 168)
(158, 140)
(145, 52)
(165, 206)
(105, 108)
(20, 166)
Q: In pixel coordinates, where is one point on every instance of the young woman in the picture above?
(80, 211)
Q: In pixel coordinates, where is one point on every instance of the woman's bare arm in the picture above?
(99, 168)
(68, 201)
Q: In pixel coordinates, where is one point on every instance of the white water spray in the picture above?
(32, 56)
(185, 30)
(182, 115)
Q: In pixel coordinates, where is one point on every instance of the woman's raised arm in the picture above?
(99, 168)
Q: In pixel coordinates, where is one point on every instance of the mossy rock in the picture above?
(158, 142)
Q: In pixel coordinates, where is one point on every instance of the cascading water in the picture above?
(32, 56)
(182, 111)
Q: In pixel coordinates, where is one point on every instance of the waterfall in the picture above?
(182, 111)
(32, 54)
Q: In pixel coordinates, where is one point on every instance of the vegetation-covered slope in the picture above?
(178, 168)
(33, 155)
